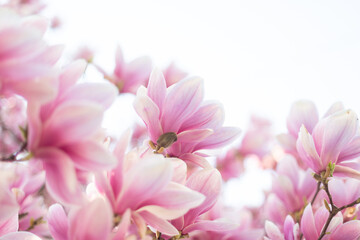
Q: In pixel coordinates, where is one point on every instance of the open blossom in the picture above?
(334, 140)
(312, 225)
(128, 76)
(291, 230)
(63, 133)
(26, 62)
(150, 187)
(179, 123)
(207, 182)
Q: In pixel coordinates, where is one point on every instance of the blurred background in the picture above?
(255, 56)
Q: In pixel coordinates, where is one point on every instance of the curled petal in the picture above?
(58, 222)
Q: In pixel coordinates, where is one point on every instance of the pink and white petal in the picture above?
(140, 224)
(336, 107)
(221, 137)
(9, 225)
(351, 151)
(320, 217)
(119, 62)
(61, 179)
(275, 209)
(308, 224)
(209, 115)
(91, 156)
(180, 170)
(101, 93)
(159, 224)
(289, 228)
(335, 223)
(272, 231)
(194, 135)
(58, 222)
(287, 141)
(302, 113)
(93, 221)
(196, 159)
(157, 88)
(150, 114)
(346, 170)
(289, 167)
(20, 236)
(306, 148)
(174, 201)
(143, 180)
(103, 185)
(50, 55)
(207, 182)
(337, 191)
(340, 128)
(123, 226)
(348, 231)
(34, 125)
(72, 122)
(218, 225)
(8, 204)
(181, 102)
(71, 74)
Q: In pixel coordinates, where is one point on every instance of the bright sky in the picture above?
(256, 56)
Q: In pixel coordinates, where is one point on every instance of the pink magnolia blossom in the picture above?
(150, 188)
(207, 182)
(63, 133)
(26, 62)
(290, 230)
(292, 185)
(312, 225)
(127, 77)
(334, 140)
(179, 122)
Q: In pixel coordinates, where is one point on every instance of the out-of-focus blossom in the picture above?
(333, 140)
(292, 185)
(26, 62)
(150, 187)
(92, 221)
(26, 7)
(128, 76)
(63, 133)
(12, 118)
(85, 53)
(173, 74)
(256, 141)
(312, 225)
(179, 123)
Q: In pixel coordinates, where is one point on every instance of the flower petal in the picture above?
(221, 137)
(302, 113)
(157, 88)
(181, 102)
(20, 236)
(61, 179)
(348, 231)
(58, 222)
(218, 225)
(308, 224)
(159, 224)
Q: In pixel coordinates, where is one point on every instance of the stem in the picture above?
(316, 193)
(334, 210)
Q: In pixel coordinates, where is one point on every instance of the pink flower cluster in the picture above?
(62, 177)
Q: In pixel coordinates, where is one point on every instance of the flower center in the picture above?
(164, 141)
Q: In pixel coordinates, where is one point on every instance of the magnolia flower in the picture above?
(179, 123)
(312, 225)
(127, 77)
(26, 62)
(290, 230)
(150, 188)
(334, 140)
(207, 182)
(63, 133)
